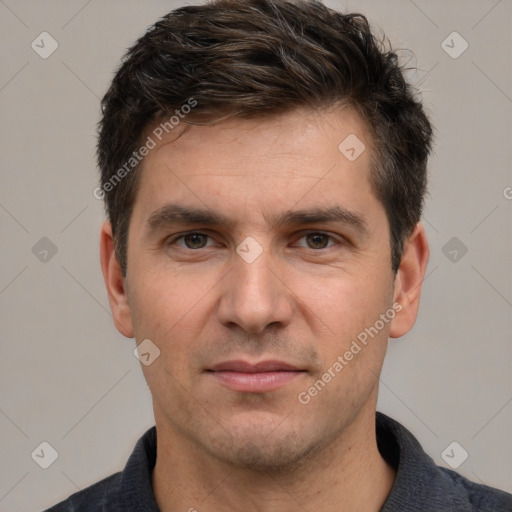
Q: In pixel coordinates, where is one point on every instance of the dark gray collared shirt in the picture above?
(420, 485)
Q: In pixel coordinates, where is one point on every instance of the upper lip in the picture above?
(246, 367)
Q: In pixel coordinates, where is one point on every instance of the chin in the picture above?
(264, 456)
(266, 448)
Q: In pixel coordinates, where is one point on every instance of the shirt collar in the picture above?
(136, 490)
(420, 485)
(417, 474)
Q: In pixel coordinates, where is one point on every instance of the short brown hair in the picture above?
(255, 58)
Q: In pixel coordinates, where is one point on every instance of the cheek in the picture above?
(161, 297)
(171, 310)
(352, 355)
(344, 302)
(152, 304)
(351, 309)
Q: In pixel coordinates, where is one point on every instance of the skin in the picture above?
(302, 301)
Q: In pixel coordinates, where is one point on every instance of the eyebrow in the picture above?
(172, 214)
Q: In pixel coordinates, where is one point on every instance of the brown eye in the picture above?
(317, 240)
(195, 240)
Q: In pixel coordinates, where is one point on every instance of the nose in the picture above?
(254, 295)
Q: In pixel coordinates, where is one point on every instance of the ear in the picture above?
(408, 281)
(115, 283)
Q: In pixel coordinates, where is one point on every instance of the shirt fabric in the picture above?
(420, 485)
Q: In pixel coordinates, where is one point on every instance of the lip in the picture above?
(246, 367)
(258, 377)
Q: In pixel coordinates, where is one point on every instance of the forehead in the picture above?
(254, 167)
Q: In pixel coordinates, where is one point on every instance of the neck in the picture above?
(348, 475)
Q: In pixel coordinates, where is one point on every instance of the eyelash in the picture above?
(173, 240)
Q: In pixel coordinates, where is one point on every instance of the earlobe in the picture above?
(409, 280)
(115, 283)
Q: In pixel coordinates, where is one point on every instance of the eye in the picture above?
(192, 241)
(316, 240)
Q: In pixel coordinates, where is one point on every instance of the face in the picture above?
(257, 254)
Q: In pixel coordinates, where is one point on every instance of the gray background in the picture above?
(69, 378)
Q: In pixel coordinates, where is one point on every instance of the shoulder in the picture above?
(127, 491)
(422, 486)
(481, 498)
(99, 497)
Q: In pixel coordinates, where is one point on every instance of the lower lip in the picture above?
(255, 382)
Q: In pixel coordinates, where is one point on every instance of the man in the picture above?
(263, 165)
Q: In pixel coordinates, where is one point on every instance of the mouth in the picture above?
(260, 377)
